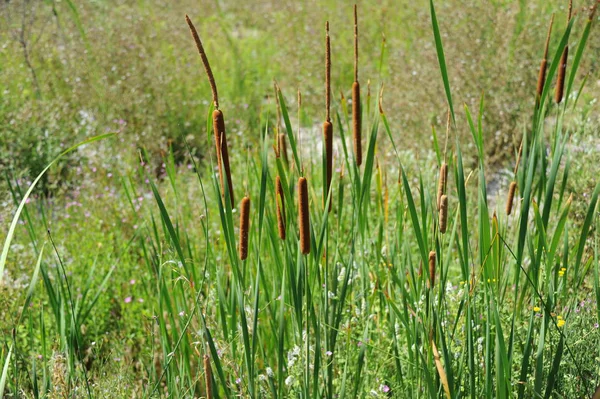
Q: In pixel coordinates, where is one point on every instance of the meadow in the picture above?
(218, 199)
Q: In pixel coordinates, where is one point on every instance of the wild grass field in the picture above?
(286, 203)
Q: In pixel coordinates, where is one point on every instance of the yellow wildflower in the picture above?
(560, 323)
(536, 309)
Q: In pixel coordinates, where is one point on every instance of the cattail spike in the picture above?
(222, 153)
(356, 123)
(282, 148)
(511, 196)
(328, 138)
(280, 208)
(303, 216)
(209, 74)
(542, 73)
(208, 377)
(327, 73)
(431, 269)
(443, 213)
(244, 227)
(442, 183)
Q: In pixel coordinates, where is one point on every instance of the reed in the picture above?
(431, 283)
(218, 120)
(303, 215)
(542, 74)
(208, 377)
(443, 217)
(511, 196)
(562, 68)
(327, 125)
(279, 198)
(244, 227)
(282, 148)
(356, 110)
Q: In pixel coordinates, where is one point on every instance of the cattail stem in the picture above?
(208, 377)
(562, 67)
(303, 216)
(222, 153)
(209, 74)
(542, 73)
(511, 196)
(443, 213)
(244, 227)
(279, 198)
(442, 183)
(356, 114)
(431, 269)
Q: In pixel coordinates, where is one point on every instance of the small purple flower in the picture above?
(128, 299)
(385, 389)
(596, 325)
(329, 353)
(132, 281)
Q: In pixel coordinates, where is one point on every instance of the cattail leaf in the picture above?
(577, 59)
(552, 375)
(288, 129)
(441, 58)
(13, 224)
(415, 219)
(4, 375)
(586, 228)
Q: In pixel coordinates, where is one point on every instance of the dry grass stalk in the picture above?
(544, 63)
(442, 183)
(244, 227)
(562, 67)
(303, 216)
(511, 196)
(443, 213)
(327, 73)
(431, 269)
(208, 377)
(279, 198)
(356, 114)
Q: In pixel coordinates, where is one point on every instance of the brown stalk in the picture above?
(211, 79)
(328, 138)
(282, 148)
(327, 125)
(442, 183)
(222, 153)
(544, 63)
(244, 227)
(303, 216)
(279, 198)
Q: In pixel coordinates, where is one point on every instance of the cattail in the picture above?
(542, 74)
(443, 213)
(562, 67)
(222, 153)
(280, 207)
(244, 227)
(208, 377)
(511, 195)
(328, 138)
(303, 216)
(356, 115)
(327, 125)
(282, 148)
(218, 121)
(431, 269)
(442, 183)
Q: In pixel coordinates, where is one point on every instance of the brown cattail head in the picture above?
(279, 198)
(356, 123)
(208, 377)
(282, 148)
(244, 227)
(511, 196)
(431, 269)
(222, 153)
(562, 67)
(328, 140)
(303, 216)
(327, 72)
(544, 63)
(209, 74)
(442, 183)
(443, 213)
